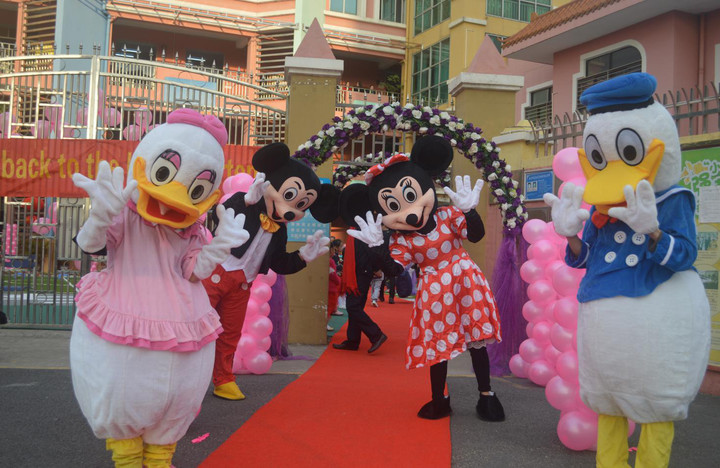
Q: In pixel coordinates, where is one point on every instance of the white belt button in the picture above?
(620, 237)
(638, 239)
(610, 256)
(631, 260)
(244, 286)
(215, 278)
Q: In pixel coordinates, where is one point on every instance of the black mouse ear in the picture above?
(325, 208)
(432, 153)
(354, 201)
(270, 157)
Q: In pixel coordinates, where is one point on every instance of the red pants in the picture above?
(229, 294)
(332, 302)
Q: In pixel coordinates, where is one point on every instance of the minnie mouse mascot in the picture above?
(454, 307)
(283, 190)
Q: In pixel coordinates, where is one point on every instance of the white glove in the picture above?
(229, 233)
(370, 232)
(257, 189)
(107, 200)
(566, 213)
(641, 211)
(465, 199)
(315, 246)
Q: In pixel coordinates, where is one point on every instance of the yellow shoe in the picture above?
(229, 391)
(127, 453)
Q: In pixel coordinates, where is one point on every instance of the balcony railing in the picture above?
(586, 82)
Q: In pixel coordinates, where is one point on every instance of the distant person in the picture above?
(333, 288)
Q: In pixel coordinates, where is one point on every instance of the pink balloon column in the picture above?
(251, 355)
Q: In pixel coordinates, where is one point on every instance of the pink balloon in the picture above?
(577, 431)
(268, 278)
(111, 117)
(532, 311)
(541, 292)
(252, 308)
(247, 345)
(42, 129)
(565, 282)
(264, 309)
(549, 313)
(82, 116)
(566, 312)
(541, 333)
(529, 329)
(41, 227)
(567, 366)
(531, 351)
(552, 267)
(261, 292)
(518, 366)
(560, 394)
(543, 251)
(551, 354)
(566, 164)
(258, 363)
(264, 343)
(259, 326)
(534, 230)
(132, 132)
(540, 372)
(52, 115)
(561, 338)
(580, 181)
(143, 118)
(531, 271)
(237, 183)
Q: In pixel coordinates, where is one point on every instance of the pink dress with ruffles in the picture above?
(144, 297)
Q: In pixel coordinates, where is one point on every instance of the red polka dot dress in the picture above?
(454, 306)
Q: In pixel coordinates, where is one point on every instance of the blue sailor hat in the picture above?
(625, 92)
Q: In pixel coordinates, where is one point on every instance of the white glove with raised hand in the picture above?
(107, 200)
(465, 199)
(257, 189)
(567, 216)
(229, 233)
(641, 211)
(370, 232)
(315, 245)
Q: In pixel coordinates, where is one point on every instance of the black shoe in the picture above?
(436, 409)
(378, 343)
(490, 409)
(382, 299)
(346, 345)
(391, 301)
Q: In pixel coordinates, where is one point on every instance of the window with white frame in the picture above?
(520, 10)
(431, 70)
(344, 6)
(428, 13)
(609, 65)
(540, 108)
(392, 10)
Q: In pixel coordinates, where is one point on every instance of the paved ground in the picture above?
(41, 424)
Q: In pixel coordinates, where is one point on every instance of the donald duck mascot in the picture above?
(143, 341)
(644, 317)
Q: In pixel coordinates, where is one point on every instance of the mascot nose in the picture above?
(289, 216)
(412, 220)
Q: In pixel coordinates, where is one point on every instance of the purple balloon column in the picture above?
(549, 356)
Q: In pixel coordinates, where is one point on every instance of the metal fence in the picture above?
(696, 112)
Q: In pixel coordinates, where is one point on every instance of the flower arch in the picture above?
(423, 120)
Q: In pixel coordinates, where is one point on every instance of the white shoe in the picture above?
(330, 328)
(374, 303)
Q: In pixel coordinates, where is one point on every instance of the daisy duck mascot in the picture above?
(454, 310)
(644, 318)
(283, 190)
(143, 340)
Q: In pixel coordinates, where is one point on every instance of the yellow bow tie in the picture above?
(268, 224)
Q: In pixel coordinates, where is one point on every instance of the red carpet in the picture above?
(350, 409)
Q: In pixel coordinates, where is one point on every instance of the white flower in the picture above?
(435, 120)
(519, 210)
(505, 206)
(417, 114)
(364, 125)
(453, 142)
(407, 125)
(452, 125)
(475, 136)
(473, 149)
(387, 110)
(331, 131)
(427, 109)
(348, 124)
(497, 150)
(525, 215)
(496, 164)
(515, 183)
(512, 193)
(498, 192)
(505, 180)
(511, 223)
(300, 148)
(321, 133)
(385, 128)
(492, 177)
(488, 147)
(359, 110)
(334, 149)
(409, 105)
(423, 130)
(508, 167)
(318, 142)
(522, 198)
(444, 115)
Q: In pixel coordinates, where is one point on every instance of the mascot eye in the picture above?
(202, 186)
(630, 147)
(409, 194)
(165, 167)
(594, 153)
(302, 204)
(391, 203)
(290, 194)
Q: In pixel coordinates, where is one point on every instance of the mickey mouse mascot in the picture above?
(644, 318)
(283, 190)
(143, 340)
(454, 308)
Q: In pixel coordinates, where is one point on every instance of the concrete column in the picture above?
(488, 102)
(311, 104)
